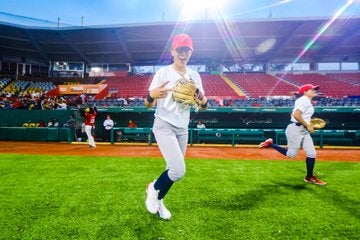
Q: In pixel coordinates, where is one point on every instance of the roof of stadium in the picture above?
(244, 41)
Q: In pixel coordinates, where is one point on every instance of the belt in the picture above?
(296, 123)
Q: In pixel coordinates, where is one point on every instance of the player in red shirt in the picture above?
(90, 115)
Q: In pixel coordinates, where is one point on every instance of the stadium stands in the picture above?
(261, 85)
(215, 86)
(330, 87)
(262, 90)
(23, 87)
(130, 86)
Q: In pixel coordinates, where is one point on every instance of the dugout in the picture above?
(269, 120)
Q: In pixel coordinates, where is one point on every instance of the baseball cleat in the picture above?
(266, 143)
(152, 202)
(164, 213)
(314, 180)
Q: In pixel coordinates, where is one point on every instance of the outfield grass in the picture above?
(57, 197)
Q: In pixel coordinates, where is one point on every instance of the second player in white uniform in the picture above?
(171, 122)
(298, 132)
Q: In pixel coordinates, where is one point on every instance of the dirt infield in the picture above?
(142, 150)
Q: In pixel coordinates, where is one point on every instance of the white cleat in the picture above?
(151, 202)
(164, 213)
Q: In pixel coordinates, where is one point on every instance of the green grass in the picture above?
(68, 197)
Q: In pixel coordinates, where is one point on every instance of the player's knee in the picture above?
(311, 154)
(291, 153)
(180, 174)
(177, 174)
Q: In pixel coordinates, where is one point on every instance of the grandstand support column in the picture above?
(313, 66)
(221, 70)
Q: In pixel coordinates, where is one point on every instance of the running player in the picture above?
(298, 132)
(171, 122)
(90, 115)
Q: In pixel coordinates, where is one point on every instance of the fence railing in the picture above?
(231, 136)
(236, 136)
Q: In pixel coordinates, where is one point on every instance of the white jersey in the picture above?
(166, 108)
(108, 124)
(305, 106)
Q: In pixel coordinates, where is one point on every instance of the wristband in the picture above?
(149, 98)
(204, 105)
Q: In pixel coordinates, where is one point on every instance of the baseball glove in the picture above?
(317, 123)
(184, 92)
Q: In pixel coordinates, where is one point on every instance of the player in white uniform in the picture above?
(171, 122)
(298, 132)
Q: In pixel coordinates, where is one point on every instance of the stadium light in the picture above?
(95, 69)
(192, 10)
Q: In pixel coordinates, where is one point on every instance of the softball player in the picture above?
(90, 115)
(298, 132)
(171, 122)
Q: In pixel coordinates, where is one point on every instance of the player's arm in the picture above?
(156, 93)
(299, 118)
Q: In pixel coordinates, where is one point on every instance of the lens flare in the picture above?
(322, 30)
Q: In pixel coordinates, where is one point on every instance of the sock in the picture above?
(310, 163)
(279, 149)
(163, 184)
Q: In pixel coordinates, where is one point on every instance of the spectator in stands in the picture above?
(31, 105)
(17, 104)
(77, 101)
(132, 124)
(108, 125)
(48, 104)
(50, 123)
(200, 124)
(42, 123)
(53, 123)
(56, 122)
(229, 103)
(123, 101)
(83, 98)
(61, 104)
(43, 103)
(8, 103)
(2, 103)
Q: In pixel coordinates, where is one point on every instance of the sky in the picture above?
(50, 13)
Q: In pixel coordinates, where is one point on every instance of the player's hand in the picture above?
(310, 128)
(160, 91)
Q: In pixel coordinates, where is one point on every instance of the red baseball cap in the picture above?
(307, 87)
(182, 40)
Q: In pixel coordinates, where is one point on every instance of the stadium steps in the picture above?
(233, 86)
